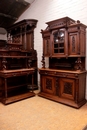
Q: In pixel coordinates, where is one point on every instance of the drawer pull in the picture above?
(14, 74)
(55, 72)
(64, 75)
(76, 75)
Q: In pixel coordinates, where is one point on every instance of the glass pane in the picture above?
(55, 51)
(61, 34)
(61, 50)
(61, 45)
(55, 45)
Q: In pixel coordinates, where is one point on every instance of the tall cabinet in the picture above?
(18, 62)
(64, 45)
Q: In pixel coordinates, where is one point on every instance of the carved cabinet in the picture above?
(18, 62)
(64, 81)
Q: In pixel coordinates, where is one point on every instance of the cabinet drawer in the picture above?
(7, 75)
(60, 74)
(68, 75)
(48, 73)
(12, 75)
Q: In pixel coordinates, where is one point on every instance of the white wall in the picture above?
(47, 10)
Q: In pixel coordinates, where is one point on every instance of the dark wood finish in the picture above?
(64, 42)
(18, 62)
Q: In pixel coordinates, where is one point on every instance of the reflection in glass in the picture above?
(56, 40)
(61, 34)
(58, 36)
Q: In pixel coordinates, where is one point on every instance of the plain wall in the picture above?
(47, 10)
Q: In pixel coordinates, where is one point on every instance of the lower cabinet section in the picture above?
(16, 85)
(67, 87)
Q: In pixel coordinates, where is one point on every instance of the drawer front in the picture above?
(59, 74)
(7, 75)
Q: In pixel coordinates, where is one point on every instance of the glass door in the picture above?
(59, 42)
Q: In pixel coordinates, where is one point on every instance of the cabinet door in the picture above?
(59, 44)
(74, 48)
(48, 84)
(67, 88)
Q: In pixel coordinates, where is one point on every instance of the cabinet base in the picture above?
(17, 98)
(62, 100)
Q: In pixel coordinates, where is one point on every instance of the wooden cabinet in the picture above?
(18, 62)
(64, 42)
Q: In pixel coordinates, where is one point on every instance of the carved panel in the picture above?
(48, 83)
(74, 47)
(60, 23)
(73, 44)
(47, 47)
(68, 88)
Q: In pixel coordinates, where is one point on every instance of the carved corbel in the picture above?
(78, 64)
(4, 64)
(29, 63)
(43, 61)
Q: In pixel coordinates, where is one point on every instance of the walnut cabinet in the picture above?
(64, 81)
(18, 62)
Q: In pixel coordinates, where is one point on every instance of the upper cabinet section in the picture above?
(23, 33)
(64, 37)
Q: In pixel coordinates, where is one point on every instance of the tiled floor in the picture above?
(38, 113)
